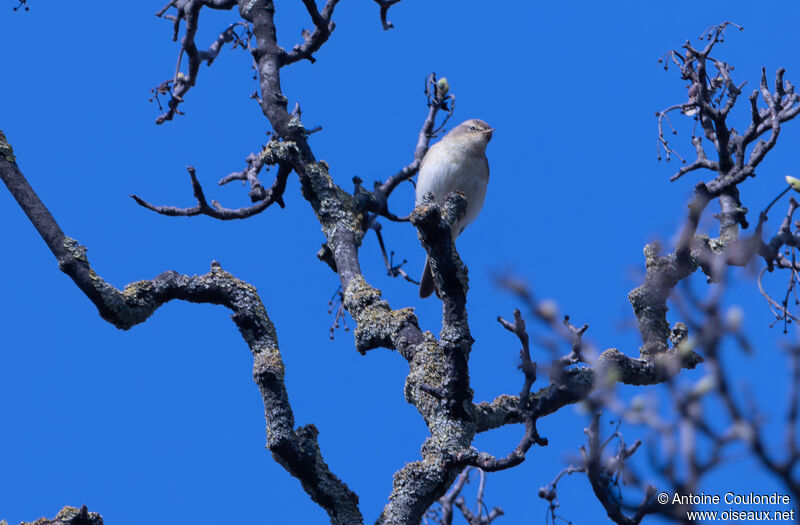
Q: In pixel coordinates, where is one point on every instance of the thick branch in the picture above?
(434, 227)
(419, 483)
(612, 366)
(649, 301)
(296, 450)
(68, 516)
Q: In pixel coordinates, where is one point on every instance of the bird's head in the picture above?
(473, 131)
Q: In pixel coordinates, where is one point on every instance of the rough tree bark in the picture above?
(438, 382)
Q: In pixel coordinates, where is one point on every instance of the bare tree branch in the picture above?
(323, 27)
(385, 5)
(604, 472)
(271, 154)
(68, 516)
(180, 83)
(297, 450)
(438, 383)
(444, 515)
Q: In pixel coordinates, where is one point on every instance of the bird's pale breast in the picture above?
(447, 169)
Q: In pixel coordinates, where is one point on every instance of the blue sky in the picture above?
(164, 419)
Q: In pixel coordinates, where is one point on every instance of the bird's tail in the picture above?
(426, 285)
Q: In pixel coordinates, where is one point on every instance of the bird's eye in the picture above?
(472, 128)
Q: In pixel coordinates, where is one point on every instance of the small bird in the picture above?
(691, 108)
(456, 163)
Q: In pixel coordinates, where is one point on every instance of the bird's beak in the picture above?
(489, 132)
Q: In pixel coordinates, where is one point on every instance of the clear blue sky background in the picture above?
(164, 420)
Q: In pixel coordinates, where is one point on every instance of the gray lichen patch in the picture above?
(415, 483)
(649, 301)
(448, 435)
(457, 335)
(420, 482)
(5, 148)
(75, 249)
(453, 207)
(427, 368)
(377, 325)
(68, 516)
(130, 307)
(678, 334)
(495, 414)
(268, 366)
(715, 245)
(614, 366)
(334, 207)
(245, 8)
(651, 313)
(276, 151)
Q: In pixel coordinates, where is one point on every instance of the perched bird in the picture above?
(691, 108)
(456, 163)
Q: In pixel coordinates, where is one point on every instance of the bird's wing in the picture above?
(435, 172)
